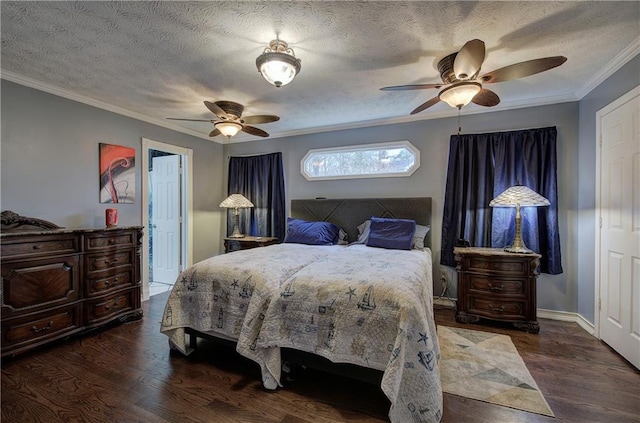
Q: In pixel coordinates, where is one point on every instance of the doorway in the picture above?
(166, 215)
(618, 234)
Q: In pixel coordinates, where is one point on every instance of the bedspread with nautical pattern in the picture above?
(366, 306)
(226, 295)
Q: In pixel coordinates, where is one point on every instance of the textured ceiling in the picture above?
(154, 60)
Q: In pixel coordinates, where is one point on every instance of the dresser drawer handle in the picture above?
(496, 309)
(112, 283)
(112, 241)
(496, 288)
(37, 247)
(36, 329)
(111, 263)
(111, 307)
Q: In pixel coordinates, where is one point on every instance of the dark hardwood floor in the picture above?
(126, 374)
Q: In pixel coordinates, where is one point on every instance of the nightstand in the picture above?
(247, 242)
(497, 285)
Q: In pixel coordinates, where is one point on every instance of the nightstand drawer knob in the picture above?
(496, 288)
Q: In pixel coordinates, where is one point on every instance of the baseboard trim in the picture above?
(542, 313)
(566, 316)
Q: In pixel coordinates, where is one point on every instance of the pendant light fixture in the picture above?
(278, 64)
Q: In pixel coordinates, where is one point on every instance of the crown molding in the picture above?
(62, 92)
(612, 67)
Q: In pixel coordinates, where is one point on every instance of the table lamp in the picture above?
(519, 196)
(235, 201)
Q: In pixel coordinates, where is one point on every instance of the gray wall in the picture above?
(50, 163)
(623, 81)
(431, 137)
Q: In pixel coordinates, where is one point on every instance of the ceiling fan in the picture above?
(230, 120)
(461, 83)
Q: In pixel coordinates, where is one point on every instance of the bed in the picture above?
(369, 308)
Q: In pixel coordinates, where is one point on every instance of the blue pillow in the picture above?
(311, 233)
(394, 234)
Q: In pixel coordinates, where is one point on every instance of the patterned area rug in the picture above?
(487, 367)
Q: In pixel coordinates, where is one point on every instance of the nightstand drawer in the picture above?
(496, 286)
(490, 265)
(247, 242)
(498, 309)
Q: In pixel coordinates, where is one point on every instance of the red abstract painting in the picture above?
(117, 174)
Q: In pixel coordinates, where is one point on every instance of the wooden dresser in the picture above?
(60, 282)
(497, 285)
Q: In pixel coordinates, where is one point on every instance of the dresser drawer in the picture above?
(108, 261)
(103, 285)
(38, 328)
(106, 308)
(32, 285)
(32, 247)
(496, 286)
(498, 308)
(491, 265)
(107, 240)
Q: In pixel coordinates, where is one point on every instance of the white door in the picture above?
(620, 228)
(165, 220)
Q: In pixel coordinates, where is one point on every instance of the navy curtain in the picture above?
(261, 180)
(481, 167)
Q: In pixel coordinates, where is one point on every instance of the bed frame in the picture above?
(347, 214)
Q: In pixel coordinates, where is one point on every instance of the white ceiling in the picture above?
(153, 60)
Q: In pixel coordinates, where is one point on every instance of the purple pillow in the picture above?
(394, 234)
(311, 233)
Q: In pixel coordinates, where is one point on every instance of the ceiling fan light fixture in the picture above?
(460, 94)
(278, 64)
(228, 129)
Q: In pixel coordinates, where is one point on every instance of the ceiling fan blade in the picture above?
(216, 110)
(215, 132)
(425, 105)
(522, 69)
(191, 120)
(254, 131)
(486, 98)
(469, 59)
(412, 87)
(260, 119)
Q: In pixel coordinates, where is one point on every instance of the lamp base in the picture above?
(516, 249)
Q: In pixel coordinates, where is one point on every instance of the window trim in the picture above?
(363, 147)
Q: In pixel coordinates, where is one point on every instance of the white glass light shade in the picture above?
(228, 129)
(460, 94)
(278, 64)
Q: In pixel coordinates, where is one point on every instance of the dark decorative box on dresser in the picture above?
(497, 285)
(247, 242)
(58, 282)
